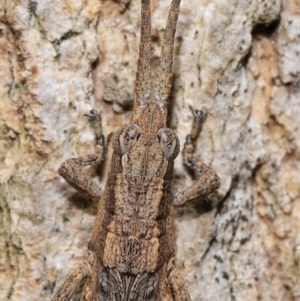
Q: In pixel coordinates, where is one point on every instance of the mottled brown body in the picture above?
(131, 252)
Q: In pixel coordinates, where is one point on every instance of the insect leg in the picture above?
(67, 289)
(206, 178)
(71, 169)
(178, 289)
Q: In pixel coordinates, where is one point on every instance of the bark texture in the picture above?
(238, 60)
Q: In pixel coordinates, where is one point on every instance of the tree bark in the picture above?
(238, 60)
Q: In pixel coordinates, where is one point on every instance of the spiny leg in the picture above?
(67, 289)
(206, 178)
(71, 169)
(178, 289)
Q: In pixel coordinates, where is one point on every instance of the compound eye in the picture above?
(125, 138)
(169, 143)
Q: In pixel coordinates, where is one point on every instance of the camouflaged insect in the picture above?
(131, 252)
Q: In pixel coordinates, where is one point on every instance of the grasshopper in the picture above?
(131, 252)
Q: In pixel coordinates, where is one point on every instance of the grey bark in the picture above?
(238, 60)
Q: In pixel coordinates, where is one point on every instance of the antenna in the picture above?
(163, 78)
(143, 74)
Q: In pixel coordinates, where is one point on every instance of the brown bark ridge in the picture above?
(238, 60)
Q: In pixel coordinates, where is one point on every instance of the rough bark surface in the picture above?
(237, 59)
